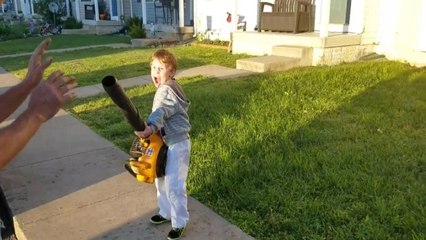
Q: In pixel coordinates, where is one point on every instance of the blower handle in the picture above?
(116, 93)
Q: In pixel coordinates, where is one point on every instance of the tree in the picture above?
(42, 7)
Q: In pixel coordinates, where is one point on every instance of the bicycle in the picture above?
(50, 28)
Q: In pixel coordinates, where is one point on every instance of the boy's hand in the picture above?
(145, 133)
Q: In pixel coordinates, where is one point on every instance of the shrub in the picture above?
(216, 42)
(135, 27)
(5, 30)
(137, 32)
(14, 31)
(72, 23)
(134, 21)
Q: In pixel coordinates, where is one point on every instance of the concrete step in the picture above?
(105, 28)
(166, 35)
(170, 32)
(303, 53)
(291, 51)
(77, 31)
(153, 42)
(267, 63)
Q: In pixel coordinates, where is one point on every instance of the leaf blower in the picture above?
(148, 157)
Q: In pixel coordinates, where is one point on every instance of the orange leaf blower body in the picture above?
(148, 156)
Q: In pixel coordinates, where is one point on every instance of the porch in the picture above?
(162, 31)
(281, 51)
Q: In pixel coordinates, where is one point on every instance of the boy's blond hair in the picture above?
(166, 58)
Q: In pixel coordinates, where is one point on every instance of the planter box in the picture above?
(152, 42)
(210, 45)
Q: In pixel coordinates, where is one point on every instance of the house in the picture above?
(344, 30)
(174, 16)
(12, 7)
(107, 16)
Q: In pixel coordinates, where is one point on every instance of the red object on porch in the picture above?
(229, 18)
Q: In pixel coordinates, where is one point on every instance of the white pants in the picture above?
(171, 189)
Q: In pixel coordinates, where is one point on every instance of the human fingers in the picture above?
(142, 134)
(42, 47)
(46, 63)
(63, 85)
(139, 134)
(49, 96)
(54, 78)
(68, 96)
(145, 133)
(39, 51)
(66, 83)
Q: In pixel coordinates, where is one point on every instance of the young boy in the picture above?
(169, 117)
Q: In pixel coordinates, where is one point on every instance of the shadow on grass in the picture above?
(304, 157)
(317, 153)
(356, 170)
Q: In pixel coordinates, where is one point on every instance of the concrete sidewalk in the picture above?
(216, 71)
(69, 183)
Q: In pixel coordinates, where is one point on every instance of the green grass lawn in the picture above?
(89, 66)
(311, 153)
(58, 42)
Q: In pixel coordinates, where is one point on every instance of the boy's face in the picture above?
(160, 72)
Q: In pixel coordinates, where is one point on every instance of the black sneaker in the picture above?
(175, 233)
(158, 219)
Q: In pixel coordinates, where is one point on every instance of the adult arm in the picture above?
(45, 101)
(13, 97)
(15, 136)
(47, 97)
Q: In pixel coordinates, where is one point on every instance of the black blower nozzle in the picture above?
(118, 96)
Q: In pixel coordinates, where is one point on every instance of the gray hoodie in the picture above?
(169, 113)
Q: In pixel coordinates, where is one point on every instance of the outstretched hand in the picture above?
(47, 98)
(36, 65)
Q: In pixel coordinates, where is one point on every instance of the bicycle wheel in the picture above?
(43, 31)
(55, 30)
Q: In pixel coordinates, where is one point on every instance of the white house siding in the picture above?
(422, 30)
(371, 20)
(150, 14)
(210, 17)
(126, 9)
(401, 29)
(24, 6)
(136, 8)
(220, 29)
(395, 28)
(410, 32)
